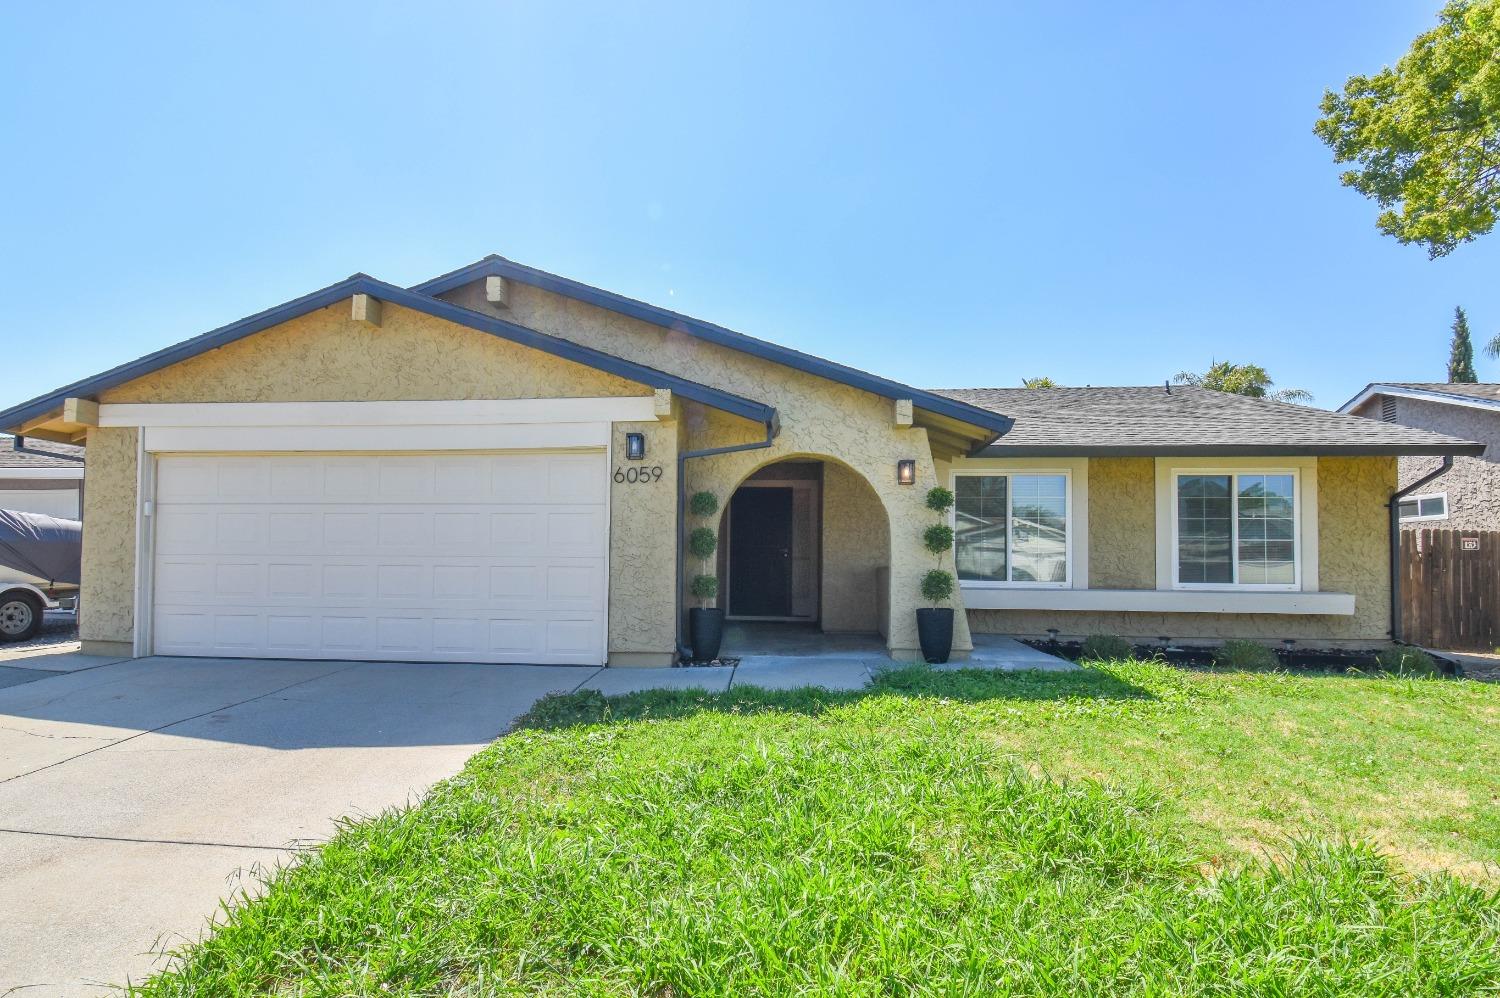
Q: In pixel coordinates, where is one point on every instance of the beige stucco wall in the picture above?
(325, 356)
(1353, 537)
(1122, 523)
(856, 546)
(820, 419)
(1472, 485)
(107, 595)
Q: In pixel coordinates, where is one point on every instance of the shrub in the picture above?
(702, 542)
(1247, 656)
(1106, 648)
(937, 585)
(938, 538)
(1403, 661)
(939, 499)
(703, 504)
(705, 587)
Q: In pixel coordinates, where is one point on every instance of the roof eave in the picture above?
(1460, 449)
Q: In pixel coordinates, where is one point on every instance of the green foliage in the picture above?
(1130, 830)
(1400, 660)
(939, 499)
(937, 585)
(938, 538)
(1241, 379)
(1042, 382)
(1424, 137)
(1246, 655)
(704, 587)
(703, 542)
(703, 504)
(1461, 352)
(1106, 648)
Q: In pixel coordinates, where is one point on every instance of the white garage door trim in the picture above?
(366, 427)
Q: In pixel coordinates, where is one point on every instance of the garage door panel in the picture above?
(410, 557)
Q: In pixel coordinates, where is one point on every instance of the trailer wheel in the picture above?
(20, 616)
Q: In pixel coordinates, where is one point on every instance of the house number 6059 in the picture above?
(638, 476)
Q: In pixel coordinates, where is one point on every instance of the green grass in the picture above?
(1128, 829)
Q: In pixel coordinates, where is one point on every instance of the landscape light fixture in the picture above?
(906, 471)
(635, 446)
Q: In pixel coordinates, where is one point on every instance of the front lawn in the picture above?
(1129, 829)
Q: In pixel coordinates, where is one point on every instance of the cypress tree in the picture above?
(1461, 353)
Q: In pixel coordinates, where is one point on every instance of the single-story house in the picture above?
(41, 476)
(1463, 493)
(493, 465)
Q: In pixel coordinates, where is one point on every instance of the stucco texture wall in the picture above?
(1353, 532)
(325, 356)
(107, 595)
(1473, 483)
(856, 546)
(819, 419)
(1122, 523)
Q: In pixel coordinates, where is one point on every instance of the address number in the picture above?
(638, 476)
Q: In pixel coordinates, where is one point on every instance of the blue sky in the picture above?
(948, 195)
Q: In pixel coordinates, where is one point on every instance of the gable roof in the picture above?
(1155, 420)
(1478, 396)
(38, 454)
(16, 416)
(498, 266)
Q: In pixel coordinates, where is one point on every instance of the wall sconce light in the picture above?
(635, 446)
(906, 471)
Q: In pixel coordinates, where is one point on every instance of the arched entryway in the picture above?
(805, 548)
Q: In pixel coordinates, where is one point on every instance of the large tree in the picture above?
(1461, 352)
(1425, 136)
(1241, 379)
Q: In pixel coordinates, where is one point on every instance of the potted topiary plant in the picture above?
(705, 622)
(935, 623)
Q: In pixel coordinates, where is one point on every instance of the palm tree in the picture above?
(1241, 379)
(1492, 348)
(1045, 382)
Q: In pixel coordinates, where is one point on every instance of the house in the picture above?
(493, 465)
(1467, 495)
(41, 476)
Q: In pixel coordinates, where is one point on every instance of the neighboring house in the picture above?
(1467, 496)
(41, 476)
(493, 465)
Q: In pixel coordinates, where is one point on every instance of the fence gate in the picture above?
(1450, 589)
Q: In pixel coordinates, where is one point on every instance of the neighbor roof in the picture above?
(16, 416)
(1185, 420)
(1480, 396)
(498, 266)
(35, 453)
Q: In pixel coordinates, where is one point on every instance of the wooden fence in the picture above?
(1450, 589)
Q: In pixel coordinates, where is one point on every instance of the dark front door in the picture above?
(760, 553)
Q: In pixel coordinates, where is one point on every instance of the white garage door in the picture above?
(452, 557)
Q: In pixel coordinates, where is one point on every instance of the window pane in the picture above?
(1204, 530)
(1408, 508)
(1266, 529)
(979, 532)
(1039, 528)
(1433, 506)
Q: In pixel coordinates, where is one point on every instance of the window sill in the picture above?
(1159, 600)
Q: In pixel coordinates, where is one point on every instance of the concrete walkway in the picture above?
(135, 794)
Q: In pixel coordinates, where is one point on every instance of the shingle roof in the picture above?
(39, 454)
(1186, 420)
(1479, 391)
(1480, 396)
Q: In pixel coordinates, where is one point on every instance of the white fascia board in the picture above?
(1158, 601)
(325, 439)
(1424, 394)
(421, 413)
(42, 473)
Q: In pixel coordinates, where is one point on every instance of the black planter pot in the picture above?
(706, 632)
(935, 633)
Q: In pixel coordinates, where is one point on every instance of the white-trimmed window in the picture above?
(1238, 528)
(1433, 506)
(1013, 528)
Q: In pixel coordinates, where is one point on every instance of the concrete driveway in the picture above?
(134, 795)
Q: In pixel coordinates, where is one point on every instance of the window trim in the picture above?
(1234, 474)
(1423, 518)
(1009, 472)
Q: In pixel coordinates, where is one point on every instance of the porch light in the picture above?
(635, 446)
(906, 471)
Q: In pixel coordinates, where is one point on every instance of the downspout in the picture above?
(773, 427)
(1395, 511)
